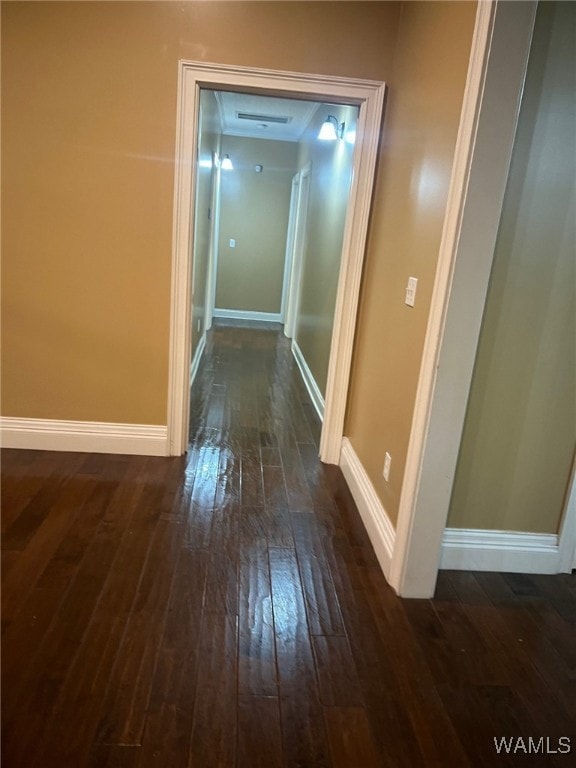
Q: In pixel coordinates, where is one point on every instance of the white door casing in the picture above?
(289, 246)
(297, 255)
(368, 95)
(497, 70)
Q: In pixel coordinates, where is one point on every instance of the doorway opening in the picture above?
(258, 255)
(191, 289)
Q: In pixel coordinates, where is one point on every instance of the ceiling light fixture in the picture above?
(331, 129)
(226, 163)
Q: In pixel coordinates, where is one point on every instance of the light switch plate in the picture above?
(387, 463)
(411, 291)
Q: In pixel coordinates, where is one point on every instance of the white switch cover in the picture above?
(411, 291)
(232, 243)
(387, 463)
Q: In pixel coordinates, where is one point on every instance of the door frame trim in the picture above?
(496, 74)
(294, 283)
(368, 95)
(289, 251)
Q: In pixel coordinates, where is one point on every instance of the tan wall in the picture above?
(520, 429)
(88, 129)
(330, 177)
(204, 215)
(254, 209)
(422, 118)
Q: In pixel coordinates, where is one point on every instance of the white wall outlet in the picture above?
(387, 463)
(411, 291)
(198, 326)
(232, 243)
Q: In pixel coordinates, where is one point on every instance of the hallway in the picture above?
(226, 608)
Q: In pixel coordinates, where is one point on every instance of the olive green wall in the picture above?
(419, 138)
(88, 135)
(330, 178)
(520, 431)
(254, 209)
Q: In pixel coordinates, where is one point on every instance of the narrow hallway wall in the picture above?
(518, 441)
(419, 137)
(254, 209)
(330, 179)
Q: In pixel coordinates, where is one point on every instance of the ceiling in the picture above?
(264, 117)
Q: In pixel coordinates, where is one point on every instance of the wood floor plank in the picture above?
(170, 710)
(259, 732)
(256, 642)
(304, 736)
(226, 608)
(38, 611)
(213, 740)
(24, 475)
(80, 680)
(350, 736)
(279, 533)
(201, 511)
(126, 703)
(337, 677)
(315, 475)
(293, 643)
(113, 756)
(61, 511)
(324, 616)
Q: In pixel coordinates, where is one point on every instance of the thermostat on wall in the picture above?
(258, 168)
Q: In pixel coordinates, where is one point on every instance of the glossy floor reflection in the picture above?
(226, 608)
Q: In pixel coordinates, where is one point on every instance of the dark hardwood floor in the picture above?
(226, 608)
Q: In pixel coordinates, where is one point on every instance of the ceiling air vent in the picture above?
(263, 118)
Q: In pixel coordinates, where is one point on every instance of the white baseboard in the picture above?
(309, 380)
(470, 549)
(84, 436)
(376, 521)
(197, 357)
(241, 314)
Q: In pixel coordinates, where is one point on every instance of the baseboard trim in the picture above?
(240, 314)
(197, 358)
(309, 380)
(374, 516)
(471, 549)
(84, 436)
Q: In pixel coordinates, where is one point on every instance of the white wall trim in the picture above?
(368, 133)
(197, 357)
(470, 549)
(368, 95)
(309, 380)
(567, 540)
(212, 274)
(377, 523)
(241, 314)
(289, 250)
(84, 436)
(490, 109)
(178, 410)
(294, 287)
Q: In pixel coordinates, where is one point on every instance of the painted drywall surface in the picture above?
(254, 209)
(330, 177)
(88, 131)
(520, 430)
(204, 214)
(419, 136)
